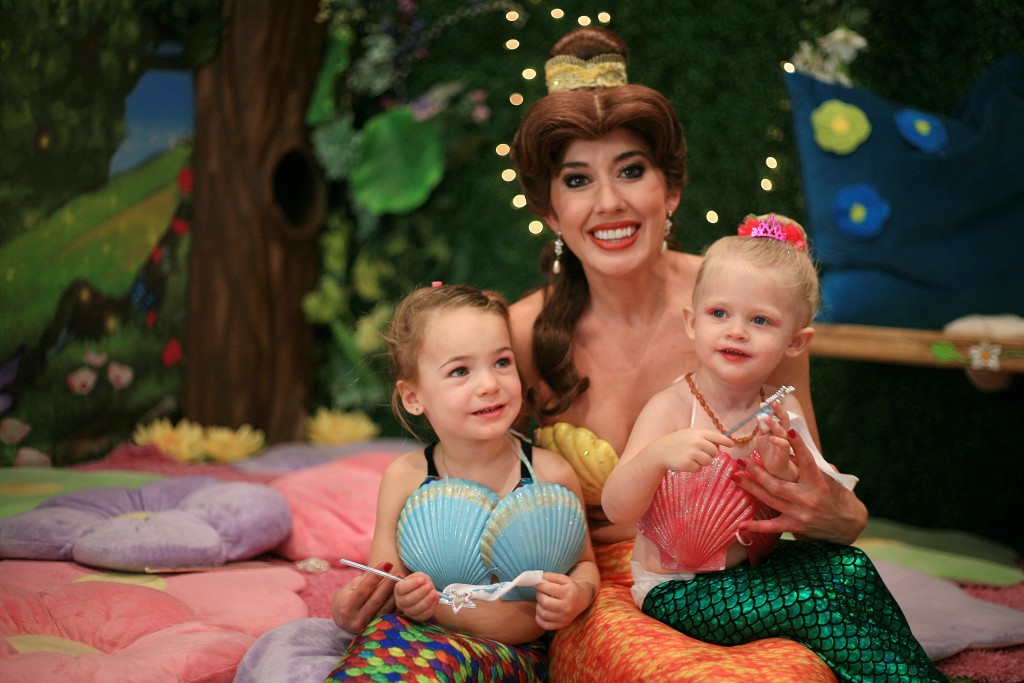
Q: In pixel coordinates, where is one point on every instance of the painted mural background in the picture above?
(95, 214)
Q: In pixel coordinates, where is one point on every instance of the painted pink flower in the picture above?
(31, 457)
(94, 359)
(481, 113)
(179, 226)
(82, 380)
(151, 318)
(186, 178)
(13, 430)
(172, 353)
(120, 375)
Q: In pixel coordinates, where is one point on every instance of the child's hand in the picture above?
(415, 596)
(772, 445)
(687, 450)
(560, 599)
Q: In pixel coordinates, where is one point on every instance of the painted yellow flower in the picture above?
(183, 441)
(840, 127)
(332, 427)
(228, 445)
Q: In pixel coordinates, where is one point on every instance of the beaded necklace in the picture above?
(739, 441)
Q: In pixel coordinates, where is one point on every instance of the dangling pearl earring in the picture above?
(556, 267)
(668, 231)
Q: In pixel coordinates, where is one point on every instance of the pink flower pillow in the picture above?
(61, 621)
(334, 506)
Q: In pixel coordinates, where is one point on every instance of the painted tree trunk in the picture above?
(259, 203)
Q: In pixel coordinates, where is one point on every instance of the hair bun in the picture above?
(588, 42)
(588, 57)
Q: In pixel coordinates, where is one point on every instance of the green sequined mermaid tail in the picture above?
(827, 597)
(393, 648)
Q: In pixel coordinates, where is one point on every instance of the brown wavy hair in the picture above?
(550, 125)
(404, 336)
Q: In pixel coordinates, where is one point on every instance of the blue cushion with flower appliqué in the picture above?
(915, 218)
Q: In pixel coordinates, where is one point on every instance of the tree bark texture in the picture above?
(259, 202)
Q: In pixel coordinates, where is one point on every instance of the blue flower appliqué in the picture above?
(924, 131)
(859, 211)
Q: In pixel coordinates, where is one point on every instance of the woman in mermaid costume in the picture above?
(693, 567)
(491, 531)
(603, 162)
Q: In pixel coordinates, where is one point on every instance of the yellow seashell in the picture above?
(592, 458)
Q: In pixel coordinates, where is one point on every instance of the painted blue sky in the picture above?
(159, 114)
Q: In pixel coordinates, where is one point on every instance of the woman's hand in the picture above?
(416, 597)
(813, 506)
(560, 599)
(363, 599)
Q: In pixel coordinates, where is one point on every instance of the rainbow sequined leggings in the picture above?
(828, 597)
(393, 648)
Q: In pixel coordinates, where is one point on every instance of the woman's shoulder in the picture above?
(686, 259)
(683, 271)
(523, 312)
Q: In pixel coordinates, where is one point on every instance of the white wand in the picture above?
(765, 408)
(444, 598)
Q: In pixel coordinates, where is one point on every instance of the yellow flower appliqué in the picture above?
(229, 445)
(839, 127)
(331, 427)
(183, 441)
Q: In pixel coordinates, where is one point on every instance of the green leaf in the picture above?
(945, 352)
(325, 303)
(400, 162)
(321, 104)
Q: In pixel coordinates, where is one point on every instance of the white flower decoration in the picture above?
(843, 44)
(985, 356)
(828, 58)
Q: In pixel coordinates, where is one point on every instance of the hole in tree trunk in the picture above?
(294, 186)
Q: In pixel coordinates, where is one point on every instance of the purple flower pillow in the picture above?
(172, 523)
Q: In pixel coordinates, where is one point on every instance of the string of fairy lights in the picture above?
(516, 99)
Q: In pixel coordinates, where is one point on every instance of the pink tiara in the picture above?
(772, 228)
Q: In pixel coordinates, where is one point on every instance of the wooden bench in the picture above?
(911, 346)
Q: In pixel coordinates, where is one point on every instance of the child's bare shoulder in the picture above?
(411, 465)
(551, 466)
(670, 399)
